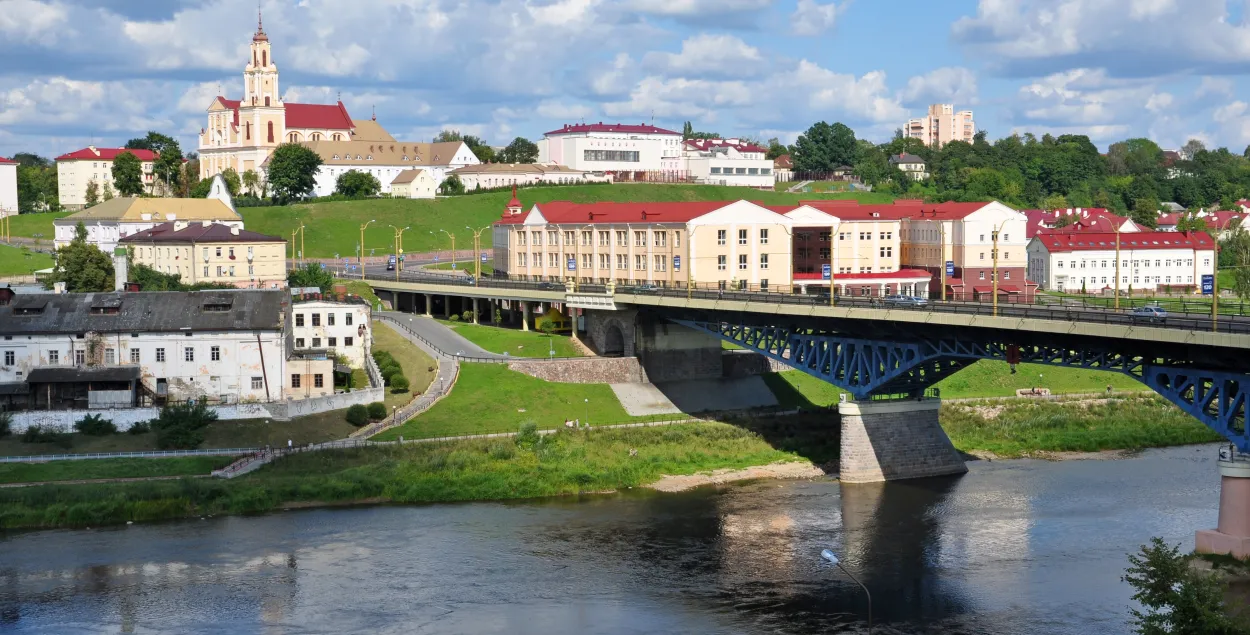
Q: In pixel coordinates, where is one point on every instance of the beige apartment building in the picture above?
(204, 252)
(730, 245)
(941, 125)
(75, 170)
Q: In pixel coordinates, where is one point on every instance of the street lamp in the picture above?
(833, 559)
(399, 248)
(453, 246)
(362, 248)
(477, 248)
(1215, 274)
(994, 254)
(833, 261)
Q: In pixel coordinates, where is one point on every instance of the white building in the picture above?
(110, 221)
(120, 349)
(8, 187)
(1072, 261)
(414, 184)
(337, 328)
(727, 162)
(488, 175)
(626, 152)
(75, 170)
(385, 160)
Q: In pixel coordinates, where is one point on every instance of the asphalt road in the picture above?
(442, 337)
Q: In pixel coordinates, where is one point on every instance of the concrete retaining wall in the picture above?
(671, 352)
(895, 440)
(591, 370)
(746, 364)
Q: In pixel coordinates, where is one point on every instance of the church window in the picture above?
(266, 100)
(264, 56)
(253, 58)
(336, 157)
(247, 130)
(271, 132)
(405, 157)
(369, 158)
(316, 136)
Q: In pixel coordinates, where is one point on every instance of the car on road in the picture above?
(645, 288)
(1149, 314)
(548, 286)
(390, 263)
(906, 300)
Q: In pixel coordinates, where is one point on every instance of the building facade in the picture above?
(730, 245)
(208, 252)
(414, 184)
(113, 220)
(911, 165)
(941, 125)
(626, 152)
(75, 171)
(386, 160)
(967, 235)
(336, 328)
(8, 187)
(783, 168)
(855, 250)
(1077, 219)
(224, 346)
(727, 162)
(1076, 262)
(489, 175)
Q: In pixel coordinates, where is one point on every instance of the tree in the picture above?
(168, 165)
(478, 147)
(1065, 220)
(37, 189)
(1237, 247)
(181, 426)
(448, 135)
(688, 132)
(521, 150)
(128, 174)
(1192, 148)
(824, 147)
(154, 141)
(232, 180)
(93, 193)
(311, 275)
(82, 266)
(251, 182)
(776, 149)
(451, 185)
(1055, 202)
(357, 183)
(108, 191)
(357, 414)
(1191, 222)
(1177, 599)
(293, 172)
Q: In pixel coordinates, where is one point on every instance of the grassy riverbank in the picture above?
(567, 463)
(110, 468)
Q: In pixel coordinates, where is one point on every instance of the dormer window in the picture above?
(369, 157)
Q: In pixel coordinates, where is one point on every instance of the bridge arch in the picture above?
(613, 340)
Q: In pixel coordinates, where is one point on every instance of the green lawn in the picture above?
(416, 364)
(986, 378)
(110, 468)
(515, 342)
(491, 398)
(28, 225)
(20, 261)
(362, 289)
(334, 228)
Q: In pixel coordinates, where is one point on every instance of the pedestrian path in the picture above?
(438, 339)
(799, 186)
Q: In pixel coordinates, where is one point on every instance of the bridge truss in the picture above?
(866, 367)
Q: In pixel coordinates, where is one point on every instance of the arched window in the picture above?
(338, 137)
(247, 130)
(316, 136)
(293, 137)
(253, 58)
(264, 56)
(271, 132)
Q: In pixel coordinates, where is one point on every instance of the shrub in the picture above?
(467, 316)
(38, 434)
(527, 435)
(389, 372)
(502, 451)
(377, 411)
(454, 318)
(6, 424)
(381, 357)
(399, 383)
(142, 427)
(96, 426)
(357, 415)
(181, 426)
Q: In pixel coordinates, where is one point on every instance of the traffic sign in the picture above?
(676, 262)
(572, 264)
(826, 272)
(1208, 284)
(950, 267)
(435, 257)
(483, 257)
(453, 266)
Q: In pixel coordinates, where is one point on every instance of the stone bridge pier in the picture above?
(1232, 535)
(667, 351)
(894, 440)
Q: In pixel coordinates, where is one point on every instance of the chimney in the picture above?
(119, 269)
(58, 288)
(234, 231)
(180, 225)
(205, 223)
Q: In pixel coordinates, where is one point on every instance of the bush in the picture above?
(96, 426)
(181, 426)
(357, 415)
(142, 427)
(454, 318)
(382, 357)
(527, 435)
(6, 424)
(38, 434)
(390, 371)
(377, 411)
(502, 451)
(467, 316)
(399, 383)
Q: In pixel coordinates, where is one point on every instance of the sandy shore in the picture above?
(1104, 455)
(794, 470)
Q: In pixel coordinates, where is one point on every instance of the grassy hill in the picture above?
(334, 228)
(17, 261)
(27, 225)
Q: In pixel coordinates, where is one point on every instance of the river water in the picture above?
(1012, 547)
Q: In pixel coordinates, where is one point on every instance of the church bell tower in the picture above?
(260, 78)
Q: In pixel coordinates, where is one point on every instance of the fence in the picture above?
(496, 359)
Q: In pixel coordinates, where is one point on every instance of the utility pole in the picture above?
(1117, 265)
(477, 248)
(361, 256)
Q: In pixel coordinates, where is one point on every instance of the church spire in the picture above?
(260, 27)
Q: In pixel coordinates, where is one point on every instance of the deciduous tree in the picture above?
(251, 183)
(82, 266)
(357, 183)
(1177, 600)
(292, 172)
(311, 275)
(168, 165)
(93, 193)
(451, 185)
(232, 180)
(521, 150)
(128, 174)
(824, 147)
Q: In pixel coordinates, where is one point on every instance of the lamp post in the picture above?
(1215, 275)
(453, 246)
(362, 249)
(833, 261)
(477, 248)
(833, 559)
(994, 254)
(942, 252)
(1116, 226)
(399, 247)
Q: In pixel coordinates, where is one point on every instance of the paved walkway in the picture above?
(799, 186)
(441, 341)
(92, 481)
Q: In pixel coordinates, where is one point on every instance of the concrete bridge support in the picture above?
(1232, 534)
(672, 352)
(895, 440)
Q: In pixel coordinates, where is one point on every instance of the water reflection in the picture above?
(1024, 547)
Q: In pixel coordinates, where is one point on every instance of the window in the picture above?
(258, 383)
(270, 127)
(622, 261)
(317, 381)
(588, 261)
(742, 261)
(333, 341)
(347, 319)
(251, 270)
(569, 237)
(677, 239)
(520, 259)
(605, 261)
(622, 239)
(219, 252)
(715, 170)
(640, 239)
(586, 239)
(295, 380)
(604, 238)
(54, 357)
(763, 236)
(160, 354)
(1060, 263)
(1006, 255)
(10, 358)
(206, 272)
(299, 342)
(553, 238)
(1006, 275)
(721, 262)
(763, 284)
(520, 238)
(742, 236)
(983, 256)
(626, 156)
(661, 239)
(538, 238)
(553, 260)
(1006, 237)
(299, 319)
(660, 261)
(763, 261)
(347, 341)
(188, 354)
(982, 237)
(110, 356)
(316, 319)
(214, 353)
(316, 342)
(640, 262)
(981, 276)
(329, 319)
(886, 252)
(720, 236)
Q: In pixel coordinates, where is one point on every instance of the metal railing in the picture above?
(497, 359)
(153, 454)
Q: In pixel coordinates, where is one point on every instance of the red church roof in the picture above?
(315, 116)
(567, 212)
(582, 128)
(105, 154)
(738, 144)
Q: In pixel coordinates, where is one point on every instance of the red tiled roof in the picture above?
(1088, 241)
(678, 212)
(876, 275)
(783, 161)
(707, 144)
(106, 154)
(197, 232)
(4, 160)
(581, 128)
(318, 116)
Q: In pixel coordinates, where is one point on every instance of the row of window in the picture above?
(658, 238)
(1137, 280)
(1164, 262)
(224, 271)
(331, 342)
(660, 261)
(750, 171)
(623, 156)
(316, 319)
(318, 380)
(722, 262)
(864, 235)
(110, 355)
(722, 235)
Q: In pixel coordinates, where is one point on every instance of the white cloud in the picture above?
(813, 18)
(195, 100)
(1218, 86)
(949, 85)
(696, 7)
(1159, 102)
(614, 80)
(709, 55)
(554, 109)
(31, 21)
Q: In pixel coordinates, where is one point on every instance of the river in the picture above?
(1012, 547)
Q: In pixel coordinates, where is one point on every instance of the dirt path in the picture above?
(795, 470)
(92, 481)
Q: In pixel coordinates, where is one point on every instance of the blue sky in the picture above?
(76, 72)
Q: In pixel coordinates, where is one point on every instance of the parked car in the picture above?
(905, 300)
(645, 288)
(1149, 314)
